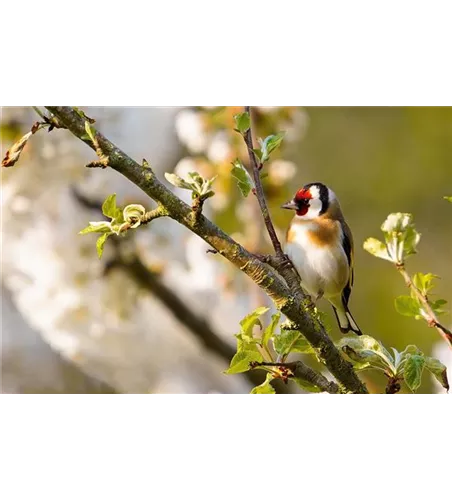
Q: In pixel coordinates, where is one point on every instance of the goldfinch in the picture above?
(320, 245)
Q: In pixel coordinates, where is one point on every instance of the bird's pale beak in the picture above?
(290, 205)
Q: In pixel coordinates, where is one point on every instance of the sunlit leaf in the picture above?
(424, 282)
(109, 208)
(448, 198)
(377, 248)
(241, 361)
(248, 322)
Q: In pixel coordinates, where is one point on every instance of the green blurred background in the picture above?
(378, 161)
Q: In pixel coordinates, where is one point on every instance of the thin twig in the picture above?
(431, 319)
(260, 190)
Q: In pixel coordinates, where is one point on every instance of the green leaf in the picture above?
(133, 213)
(100, 244)
(291, 341)
(109, 208)
(177, 181)
(435, 367)
(406, 306)
(270, 330)
(271, 143)
(248, 322)
(306, 385)
(265, 387)
(258, 153)
(206, 187)
(377, 248)
(437, 306)
(241, 361)
(411, 241)
(242, 122)
(410, 350)
(424, 282)
(247, 343)
(244, 181)
(412, 371)
(365, 351)
(97, 227)
(448, 198)
(90, 131)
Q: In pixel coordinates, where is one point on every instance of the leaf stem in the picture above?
(431, 319)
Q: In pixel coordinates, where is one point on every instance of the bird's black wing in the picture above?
(347, 245)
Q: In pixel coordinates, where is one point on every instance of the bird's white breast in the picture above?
(322, 268)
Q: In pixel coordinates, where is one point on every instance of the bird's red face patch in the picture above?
(302, 198)
(303, 195)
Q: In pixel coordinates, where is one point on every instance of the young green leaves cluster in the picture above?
(199, 187)
(253, 350)
(120, 221)
(401, 239)
(262, 154)
(365, 353)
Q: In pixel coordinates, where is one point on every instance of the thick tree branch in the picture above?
(290, 304)
(431, 318)
(298, 369)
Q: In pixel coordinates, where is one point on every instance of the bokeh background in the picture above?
(157, 314)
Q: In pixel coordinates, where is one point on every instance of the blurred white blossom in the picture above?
(191, 130)
(219, 149)
(281, 171)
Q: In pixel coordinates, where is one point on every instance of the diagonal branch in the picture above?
(290, 304)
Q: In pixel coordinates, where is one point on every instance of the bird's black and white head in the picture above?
(311, 201)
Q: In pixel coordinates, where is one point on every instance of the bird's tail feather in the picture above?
(346, 321)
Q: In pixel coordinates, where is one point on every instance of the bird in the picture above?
(320, 245)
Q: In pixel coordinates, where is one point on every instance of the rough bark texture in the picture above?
(262, 274)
